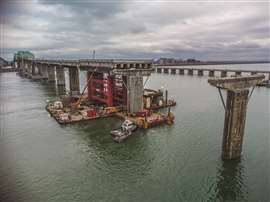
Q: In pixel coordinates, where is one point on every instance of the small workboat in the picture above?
(124, 131)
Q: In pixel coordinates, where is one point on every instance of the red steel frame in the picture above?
(109, 90)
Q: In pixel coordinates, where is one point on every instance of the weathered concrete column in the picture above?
(173, 71)
(269, 76)
(44, 71)
(39, 71)
(200, 72)
(235, 111)
(253, 73)
(211, 73)
(166, 70)
(234, 123)
(134, 93)
(223, 73)
(60, 75)
(159, 70)
(190, 72)
(74, 82)
(51, 73)
(181, 71)
(33, 68)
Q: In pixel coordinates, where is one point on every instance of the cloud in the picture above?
(205, 30)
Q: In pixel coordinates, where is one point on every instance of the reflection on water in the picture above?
(230, 184)
(43, 161)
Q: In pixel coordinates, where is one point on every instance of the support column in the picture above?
(44, 71)
(166, 70)
(200, 72)
(51, 73)
(32, 68)
(60, 76)
(89, 85)
(39, 69)
(269, 77)
(159, 70)
(74, 83)
(211, 73)
(181, 71)
(173, 71)
(234, 124)
(253, 73)
(223, 73)
(235, 111)
(134, 93)
(190, 72)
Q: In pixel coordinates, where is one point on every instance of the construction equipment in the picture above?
(111, 110)
(78, 103)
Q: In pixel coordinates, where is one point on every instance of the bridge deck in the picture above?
(212, 69)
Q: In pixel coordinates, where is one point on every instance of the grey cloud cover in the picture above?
(207, 30)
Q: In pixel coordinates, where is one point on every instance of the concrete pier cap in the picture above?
(235, 111)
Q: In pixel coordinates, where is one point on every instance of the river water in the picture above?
(43, 161)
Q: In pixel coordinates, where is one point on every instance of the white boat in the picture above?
(122, 133)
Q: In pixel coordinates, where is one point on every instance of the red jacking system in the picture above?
(105, 89)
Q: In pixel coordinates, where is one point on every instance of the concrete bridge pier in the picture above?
(134, 93)
(33, 68)
(234, 123)
(235, 111)
(181, 71)
(39, 69)
(269, 77)
(211, 73)
(173, 71)
(223, 73)
(60, 75)
(74, 81)
(24, 68)
(44, 71)
(190, 72)
(200, 72)
(51, 73)
(165, 70)
(159, 70)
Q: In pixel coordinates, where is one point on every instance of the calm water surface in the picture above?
(43, 161)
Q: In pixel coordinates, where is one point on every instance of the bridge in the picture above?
(112, 80)
(200, 71)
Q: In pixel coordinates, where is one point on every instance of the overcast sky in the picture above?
(206, 30)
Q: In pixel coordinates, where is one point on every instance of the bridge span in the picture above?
(107, 75)
(211, 72)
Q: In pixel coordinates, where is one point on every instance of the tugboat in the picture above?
(124, 131)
